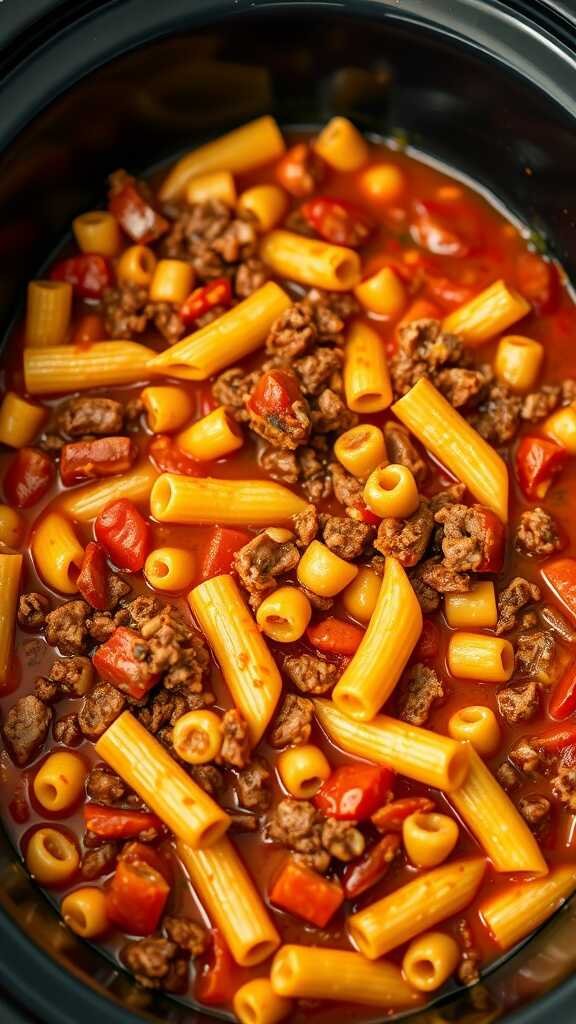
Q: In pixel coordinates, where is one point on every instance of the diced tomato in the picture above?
(392, 816)
(168, 458)
(136, 897)
(136, 851)
(538, 461)
(560, 575)
(428, 643)
(101, 457)
(117, 661)
(354, 791)
(563, 698)
(537, 280)
(444, 228)
(88, 273)
(218, 982)
(494, 540)
(449, 293)
(124, 534)
(115, 823)
(90, 328)
(360, 875)
(28, 478)
(274, 394)
(555, 740)
(221, 547)
(135, 214)
(92, 581)
(215, 293)
(306, 894)
(361, 513)
(300, 170)
(337, 221)
(333, 636)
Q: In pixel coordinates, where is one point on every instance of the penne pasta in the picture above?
(10, 574)
(57, 553)
(393, 630)
(456, 444)
(248, 668)
(195, 500)
(310, 261)
(416, 906)
(225, 341)
(418, 753)
(519, 909)
(366, 378)
(316, 972)
(57, 368)
(20, 420)
(492, 818)
(85, 503)
(487, 314)
(231, 900)
(148, 768)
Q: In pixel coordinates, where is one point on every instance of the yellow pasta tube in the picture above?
(478, 725)
(84, 911)
(420, 754)
(518, 361)
(383, 183)
(310, 261)
(561, 427)
(12, 527)
(429, 838)
(20, 420)
(383, 293)
(341, 145)
(315, 972)
(172, 281)
(284, 614)
(48, 313)
(195, 500)
(519, 909)
(167, 408)
(323, 572)
(492, 818)
(361, 596)
(85, 503)
(217, 185)
(57, 553)
(170, 569)
(454, 442)
(66, 368)
(476, 656)
(248, 668)
(366, 378)
(212, 437)
(197, 736)
(361, 449)
(136, 265)
(391, 491)
(488, 314)
(474, 609)
(231, 337)
(430, 960)
(267, 203)
(51, 857)
(416, 906)
(10, 573)
(252, 145)
(97, 231)
(59, 781)
(231, 900)
(138, 758)
(302, 770)
(396, 623)
(256, 1002)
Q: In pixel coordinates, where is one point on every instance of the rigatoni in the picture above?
(366, 378)
(383, 293)
(489, 659)
(216, 185)
(519, 909)
(56, 368)
(193, 500)
(85, 503)
(168, 408)
(310, 261)
(518, 361)
(284, 614)
(136, 266)
(20, 420)
(472, 609)
(341, 145)
(48, 314)
(172, 281)
(361, 449)
(267, 203)
(57, 553)
(430, 960)
(170, 569)
(10, 574)
(211, 437)
(97, 231)
(316, 972)
(487, 314)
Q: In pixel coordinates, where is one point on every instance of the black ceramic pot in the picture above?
(86, 86)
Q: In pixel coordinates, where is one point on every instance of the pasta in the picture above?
(85, 503)
(214, 185)
(246, 663)
(383, 293)
(429, 838)
(12, 527)
(383, 183)
(517, 910)
(167, 408)
(392, 632)
(323, 572)
(57, 553)
(55, 368)
(136, 266)
(172, 281)
(487, 314)
(366, 378)
(255, 1002)
(341, 145)
(197, 736)
(84, 911)
(47, 314)
(561, 427)
(97, 231)
(267, 203)
(476, 656)
(478, 725)
(452, 440)
(391, 491)
(212, 437)
(284, 614)
(310, 261)
(187, 500)
(430, 960)
(518, 362)
(10, 574)
(59, 782)
(315, 972)
(473, 609)
(361, 449)
(51, 857)
(20, 420)
(360, 597)
(302, 770)
(138, 758)
(170, 569)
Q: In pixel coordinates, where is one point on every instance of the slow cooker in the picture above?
(487, 86)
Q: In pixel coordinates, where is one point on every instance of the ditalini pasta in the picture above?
(84, 503)
(54, 368)
(519, 909)
(451, 439)
(10, 574)
(20, 420)
(315, 972)
(187, 500)
(392, 632)
(57, 553)
(247, 665)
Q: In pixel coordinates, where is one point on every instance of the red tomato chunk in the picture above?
(28, 478)
(89, 274)
(136, 897)
(121, 661)
(354, 791)
(104, 456)
(124, 534)
(306, 894)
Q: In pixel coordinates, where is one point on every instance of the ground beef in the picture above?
(235, 749)
(314, 471)
(253, 785)
(292, 724)
(345, 537)
(428, 597)
(306, 525)
(537, 534)
(100, 626)
(46, 690)
(293, 333)
(535, 655)
(187, 934)
(535, 809)
(67, 730)
(449, 496)
(98, 862)
(124, 311)
(446, 581)
(32, 610)
(402, 451)
(73, 676)
(526, 758)
(331, 311)
(280, 464)
(142, 609)
(211, 238)
(232, 388)
(557, 622)
(519, 703)
(66, 627)
(506, 775)
(208, 777)
(321, 369)
(169, 645)
(26, 728)
(151, 961)
(101, 707)
(331, 414)
(297, 825)
(287, 428)
(342, 840)
(164, 709)
(460, 386)
(564, 787)
(466, 543)
(418, 694)
(166, 318)
(406, 539)
(498, 417)
(311, 674)
(81, 416)
(260, 562)
(515, 596)
(539, 404)
(104, 786)
(250, 276)
(347, 488)
(423, 349)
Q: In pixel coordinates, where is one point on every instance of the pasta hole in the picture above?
(76, 918)
(93, 218)
(161, 496)
(249, 1012)
(424, 970)
(55, 846)
(471, 716)
(213, 832)
(457, 767)
(366, 402)
(345, 271)
(308, 787)
(352, 704)
(258, 952)
(48, 793)
(507, 659)
(160, 569)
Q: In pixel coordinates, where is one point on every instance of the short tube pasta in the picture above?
(197, 736)
(383, 183)
(310, 261)
(302, 770)
(473, 609)
(420, 754)
(396, 623)
(454, 442)
(383, 293)
(249, 146)
(518, 362)
(561, 427)
(57, 553)
(84, 911)
(366, 377)
(172, 281)
(167, 408)
(59, 782)
(48, 314)
(12, 527)
(234, 335)
(148, 768)
(361, 596)
(429, 838)
(217, 185)
(416, 906)
(212, 437)
(478, 725)
(315, 972)
(391, 491)
(85, 503)
(519, 909)
(231, 900)
(267, 203)
(493, 819)
(361, 449)
(256, 1002)
(487, 314)
(323, 572)
(195, 500)
(97, 231)
(284, 614)
(20, 420)
(51, 857)
(341, 145)
(65, 368)
(10, 575)
(248, 668)
(136, 265)
(430, 960)
(170, 569)
(489, 659)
